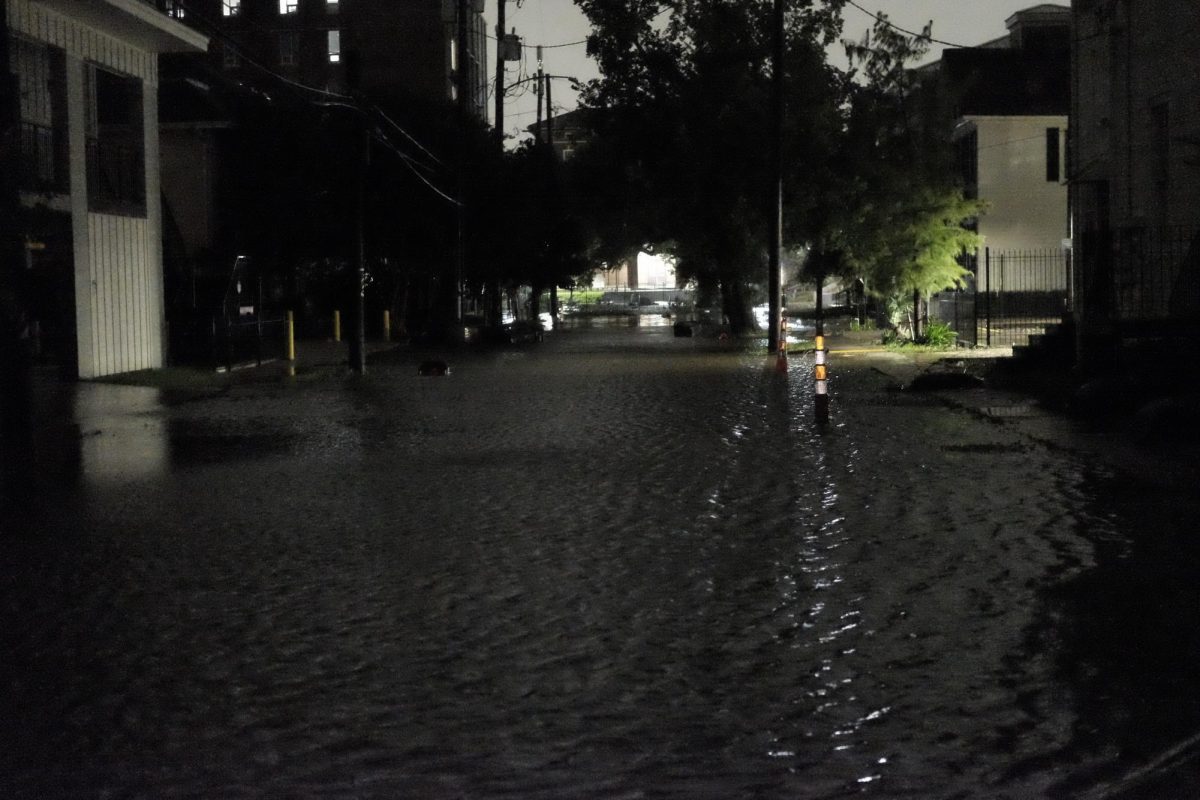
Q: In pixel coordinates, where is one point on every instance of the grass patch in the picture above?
(905, 346)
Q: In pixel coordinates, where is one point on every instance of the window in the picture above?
(1053, 155)
(174, 9)
(287, 48)
(116, 150)
(331, 6)
(335, 46)
(231, 8)
(230, 57)
(41, 76)
(288, 6)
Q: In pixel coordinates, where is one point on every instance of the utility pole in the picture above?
(501, 56)
(775, 341)
(549, 115)
(463, 83)
(537, 136)
(358, 335)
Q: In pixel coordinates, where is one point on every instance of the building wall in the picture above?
(1136, 62)
(397, 47)
(1026, 211)
(118, 259)
(1135, 171)
(188, 162)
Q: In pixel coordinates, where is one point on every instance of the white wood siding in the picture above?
(126, 316)
(81, 41)
(118, 259)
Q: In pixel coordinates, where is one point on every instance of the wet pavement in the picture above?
(616, 564)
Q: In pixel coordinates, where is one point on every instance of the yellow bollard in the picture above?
(387, 325)
(337, 325)
(291, 343)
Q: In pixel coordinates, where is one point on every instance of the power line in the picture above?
(544, 46)
(879, 17)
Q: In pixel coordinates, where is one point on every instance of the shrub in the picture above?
(939, 334)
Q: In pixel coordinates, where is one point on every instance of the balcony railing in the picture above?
(43, 159)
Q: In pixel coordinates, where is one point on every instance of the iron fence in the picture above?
(43, 164)
(1010, 296)
(218, 344)
(1155, 274)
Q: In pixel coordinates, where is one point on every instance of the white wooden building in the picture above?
(88, 75)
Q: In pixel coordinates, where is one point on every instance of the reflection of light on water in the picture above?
(124, 433)
(798, 330)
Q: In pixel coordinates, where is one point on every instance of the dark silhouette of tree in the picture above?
(896, 210)
(682, 118)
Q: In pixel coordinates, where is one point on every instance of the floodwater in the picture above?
(613, 565)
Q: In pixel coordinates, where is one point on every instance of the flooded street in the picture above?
(613, 565)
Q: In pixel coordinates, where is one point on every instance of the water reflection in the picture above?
(619, 565)
(1116, 629)
(122, 433)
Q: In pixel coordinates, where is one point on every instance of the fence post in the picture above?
(987, 295)
(258, 326)
(290, 332)
(1068, 266)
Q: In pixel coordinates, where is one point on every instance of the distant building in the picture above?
(393, 48)
(1135, 168)
(88, 78)
(566, 132)
(1011, 97)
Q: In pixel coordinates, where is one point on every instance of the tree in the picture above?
(900, 220)
(682, 117)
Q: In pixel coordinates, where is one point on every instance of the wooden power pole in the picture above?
(775, 339)
(501, 56)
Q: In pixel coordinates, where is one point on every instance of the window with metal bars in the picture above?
(116, 149)
(41, 82)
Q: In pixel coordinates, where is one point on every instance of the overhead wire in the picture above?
(879, 17)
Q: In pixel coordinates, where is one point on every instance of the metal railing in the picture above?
(1012, 295)
(44, 160)
(1155, 273)
(116, 172)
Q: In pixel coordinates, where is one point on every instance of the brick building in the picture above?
(1135, 169)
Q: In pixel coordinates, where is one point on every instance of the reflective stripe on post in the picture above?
(337, 325)
(821, 373)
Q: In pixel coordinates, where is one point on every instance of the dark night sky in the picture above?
(550, 22)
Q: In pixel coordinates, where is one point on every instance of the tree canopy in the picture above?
(682, 111)
(680, 163)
